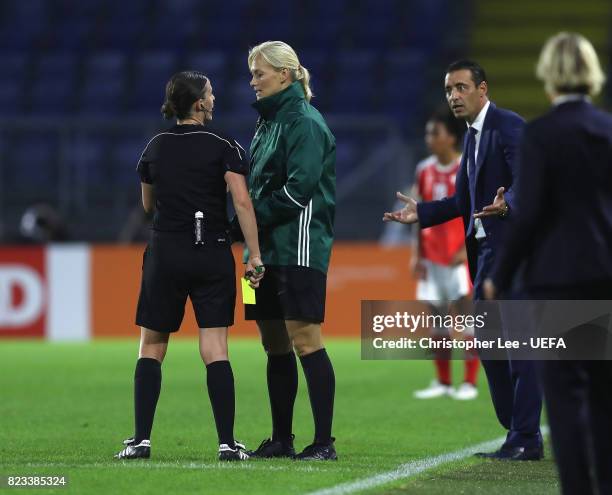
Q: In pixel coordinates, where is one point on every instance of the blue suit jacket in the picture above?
(562, 228)
(496, 167)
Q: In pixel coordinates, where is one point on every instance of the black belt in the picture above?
(219, 237)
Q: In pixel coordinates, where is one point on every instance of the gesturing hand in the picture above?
(498, 208)
(408, 214)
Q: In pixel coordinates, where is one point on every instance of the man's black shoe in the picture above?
(318, 452)
(135, 451)
(273, 448)
(514, 454)
(488, 455)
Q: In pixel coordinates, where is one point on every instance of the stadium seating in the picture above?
(32, 173)
(54, 85)
(509, 55)
(89, 158)
(109, 60)
(124, 51)
(11, 83)
(124, 155)
(103, 87)
(212, 63)
(150, 72)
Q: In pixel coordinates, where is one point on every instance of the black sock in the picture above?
(321, 388)
(147, 384)
(282, 389)
(220, 382)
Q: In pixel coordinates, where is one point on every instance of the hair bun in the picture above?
(168, 110)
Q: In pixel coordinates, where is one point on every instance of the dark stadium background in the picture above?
(82, 82)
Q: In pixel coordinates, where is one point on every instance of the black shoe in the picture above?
(514, 454)
(273, 448)
(226, 453)
(135, 451)
(489, 455)
(318, 452)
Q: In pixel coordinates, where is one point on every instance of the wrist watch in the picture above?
(504, 213)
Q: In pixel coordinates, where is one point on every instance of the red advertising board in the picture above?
(23, 292)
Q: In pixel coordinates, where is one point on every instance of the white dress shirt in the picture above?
(478, 124)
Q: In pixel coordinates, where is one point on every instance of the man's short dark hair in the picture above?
(478, 73)
(454, 126)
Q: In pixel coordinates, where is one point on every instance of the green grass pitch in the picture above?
(65, 408)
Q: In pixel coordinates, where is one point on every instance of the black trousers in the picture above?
(515, 392)
(578, 397)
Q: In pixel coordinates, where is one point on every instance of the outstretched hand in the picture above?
(408, 214)
(499, 207)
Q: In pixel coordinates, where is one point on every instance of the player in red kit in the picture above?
(439, 258)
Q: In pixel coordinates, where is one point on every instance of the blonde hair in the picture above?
(281, 56)
(568, 64)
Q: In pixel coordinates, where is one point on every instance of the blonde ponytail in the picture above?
(303, 76)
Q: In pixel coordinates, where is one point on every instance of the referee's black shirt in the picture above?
(186, 165)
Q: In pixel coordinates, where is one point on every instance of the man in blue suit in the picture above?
(562, 231)
(487, 172)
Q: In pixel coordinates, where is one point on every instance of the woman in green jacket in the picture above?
(292, 185)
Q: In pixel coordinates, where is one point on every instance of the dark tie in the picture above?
(471, 163)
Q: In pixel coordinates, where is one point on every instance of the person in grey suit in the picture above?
(562, 233)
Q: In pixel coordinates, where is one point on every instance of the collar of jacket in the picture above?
(269, 106)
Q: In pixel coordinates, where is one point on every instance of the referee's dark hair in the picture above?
(182, 90)
(453, 125)
(478, 73)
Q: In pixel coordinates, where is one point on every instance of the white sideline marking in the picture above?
(411, 468)
(403, 471)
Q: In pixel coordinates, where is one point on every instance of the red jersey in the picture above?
(434, 181)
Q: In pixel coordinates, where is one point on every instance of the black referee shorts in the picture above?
(174, 268)
(289, 293)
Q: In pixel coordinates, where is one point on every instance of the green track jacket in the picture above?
(292, 181)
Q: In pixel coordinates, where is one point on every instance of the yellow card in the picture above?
(248, 293)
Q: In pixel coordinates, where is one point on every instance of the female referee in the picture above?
(292, 184)
(184, 170)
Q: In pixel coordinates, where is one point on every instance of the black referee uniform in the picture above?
(186, 165)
